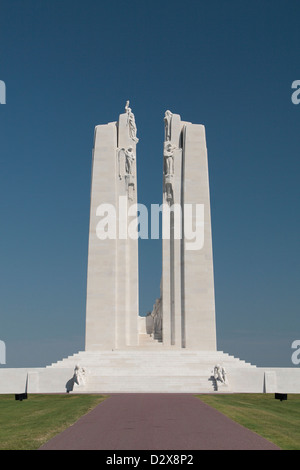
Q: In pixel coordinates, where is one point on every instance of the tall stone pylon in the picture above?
(112, 277)
(187, 285)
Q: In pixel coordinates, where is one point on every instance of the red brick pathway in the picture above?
(156, 422)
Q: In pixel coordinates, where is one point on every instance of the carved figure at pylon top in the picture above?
(131, 123)
(167, 120)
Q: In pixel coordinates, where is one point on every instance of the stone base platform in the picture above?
(142, 370)
(145, 369)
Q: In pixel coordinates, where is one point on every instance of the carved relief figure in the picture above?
(79, 375)
(220, 374)
(126, 159)
(121, 162)
(130, 157)
(169, 158)
(157, 317)
(131, 123)
(167, 120)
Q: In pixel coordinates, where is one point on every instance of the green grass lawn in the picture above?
(278, 421)
(28, 424)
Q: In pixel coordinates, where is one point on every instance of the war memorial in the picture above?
(174, 348)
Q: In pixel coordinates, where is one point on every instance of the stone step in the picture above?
(150, 359)
(152, 354)
(148, 367)
(146, 363)
(156, 360)
(173, 355)
(155, 384)
(150, 373)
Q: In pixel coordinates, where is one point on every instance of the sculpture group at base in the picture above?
(220, 375)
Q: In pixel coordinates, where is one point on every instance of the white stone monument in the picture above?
(174, 348)
(186, 309)
(187, 289)
(112, 279)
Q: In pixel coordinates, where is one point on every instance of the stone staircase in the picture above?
(156, 370)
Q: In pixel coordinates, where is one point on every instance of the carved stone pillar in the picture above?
(112, 281)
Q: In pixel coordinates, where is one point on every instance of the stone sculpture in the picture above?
(79, 375)
(157, 320)
(167, 120)
(169, 158)
(131, 123)
(130, 157)
(220, 374)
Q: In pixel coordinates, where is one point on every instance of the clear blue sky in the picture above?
(70, 65)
